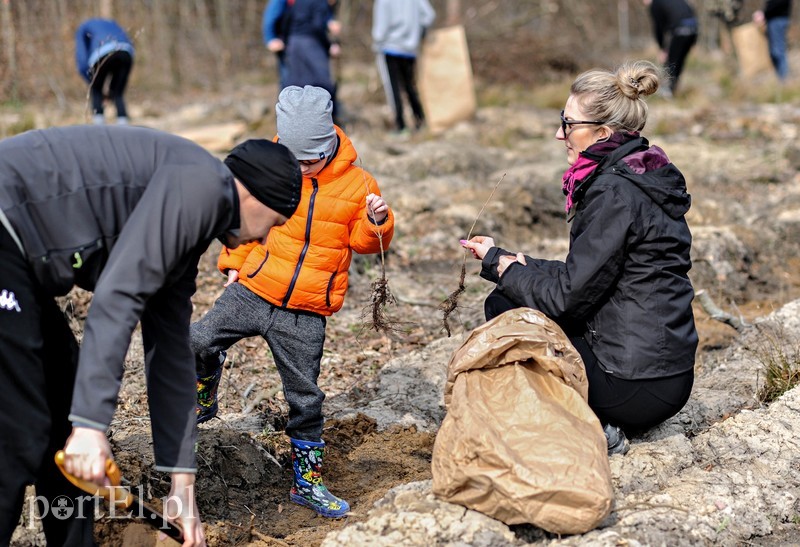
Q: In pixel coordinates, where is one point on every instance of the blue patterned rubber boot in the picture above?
(207, 404)
(308, 488)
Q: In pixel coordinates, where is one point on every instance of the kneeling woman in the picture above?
(622, 295)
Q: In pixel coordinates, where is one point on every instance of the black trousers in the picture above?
(634, 405)
(679, 46)
(114, 67)
(402, 79)
(38, 359)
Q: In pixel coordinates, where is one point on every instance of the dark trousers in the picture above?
(38, 359)
(295, 339)
(679, 46)
(402, 79)
(115, 67)
(634, 405)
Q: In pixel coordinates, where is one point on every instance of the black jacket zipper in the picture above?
(305, 245)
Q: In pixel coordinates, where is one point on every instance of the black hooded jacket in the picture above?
(624, 284)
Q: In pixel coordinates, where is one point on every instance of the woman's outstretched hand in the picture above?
(478, 245)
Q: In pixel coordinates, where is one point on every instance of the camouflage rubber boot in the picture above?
(207, 405)
(308, 488)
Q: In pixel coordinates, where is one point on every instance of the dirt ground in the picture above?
(244, 469)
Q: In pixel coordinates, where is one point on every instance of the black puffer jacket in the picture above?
(624, 283)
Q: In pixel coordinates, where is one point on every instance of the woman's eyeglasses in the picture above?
(565, 122)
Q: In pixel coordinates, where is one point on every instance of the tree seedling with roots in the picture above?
(450, 304)
(381, 296)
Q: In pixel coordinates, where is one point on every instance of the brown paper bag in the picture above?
(752, 49)
(445, 78)
(519, 442)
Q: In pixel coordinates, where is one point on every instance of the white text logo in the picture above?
(8, 301)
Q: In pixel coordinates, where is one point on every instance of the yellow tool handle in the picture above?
(118, 495)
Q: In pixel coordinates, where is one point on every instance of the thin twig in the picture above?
(449, 305)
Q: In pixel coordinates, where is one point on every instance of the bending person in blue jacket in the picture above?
(104, 53)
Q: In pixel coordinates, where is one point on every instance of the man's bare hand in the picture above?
(181, 507)
(233, 277)
(86, 453)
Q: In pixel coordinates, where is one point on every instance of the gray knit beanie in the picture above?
(305, 123)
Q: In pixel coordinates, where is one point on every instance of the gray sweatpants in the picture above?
(295, 339)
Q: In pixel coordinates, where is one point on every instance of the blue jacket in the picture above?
(273, 15)
(95, 39)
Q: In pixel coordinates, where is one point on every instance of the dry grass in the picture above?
(779, 355)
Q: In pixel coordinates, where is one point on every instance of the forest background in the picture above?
(209, 45)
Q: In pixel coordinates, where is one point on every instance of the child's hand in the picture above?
(478, 245)
(377, 209)
(233, 277)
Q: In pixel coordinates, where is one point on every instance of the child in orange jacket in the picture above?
(284, 289)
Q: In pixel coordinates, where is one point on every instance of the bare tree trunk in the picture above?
(624, 24)
(226, 38)
(106, 9)
(453, 12)
(10, 52)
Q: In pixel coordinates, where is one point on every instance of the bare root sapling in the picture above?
(381, 295)
(450, 304)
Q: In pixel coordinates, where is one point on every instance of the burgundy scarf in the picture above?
(587, 162)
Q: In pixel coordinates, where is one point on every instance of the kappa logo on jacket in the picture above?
(8, 301)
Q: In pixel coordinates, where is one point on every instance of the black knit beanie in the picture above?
(269, 171)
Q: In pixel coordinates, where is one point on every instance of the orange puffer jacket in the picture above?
(304, 264)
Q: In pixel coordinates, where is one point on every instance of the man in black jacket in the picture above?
(675, 29)
(125, 212)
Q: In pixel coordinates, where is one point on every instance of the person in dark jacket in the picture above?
(776, 17)
(622, 295)
(675, 29)
(104, 55)
(311, 40)
(125, 212)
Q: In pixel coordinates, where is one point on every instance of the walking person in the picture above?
(284, 290)
(776, 17)
(398, 27)
(623, 294)
(125, 212)
(675, 28)
(104, 57)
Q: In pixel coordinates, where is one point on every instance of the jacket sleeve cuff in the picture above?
(380, 223)
(168, 469)
(79, 421)
(489, 264)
